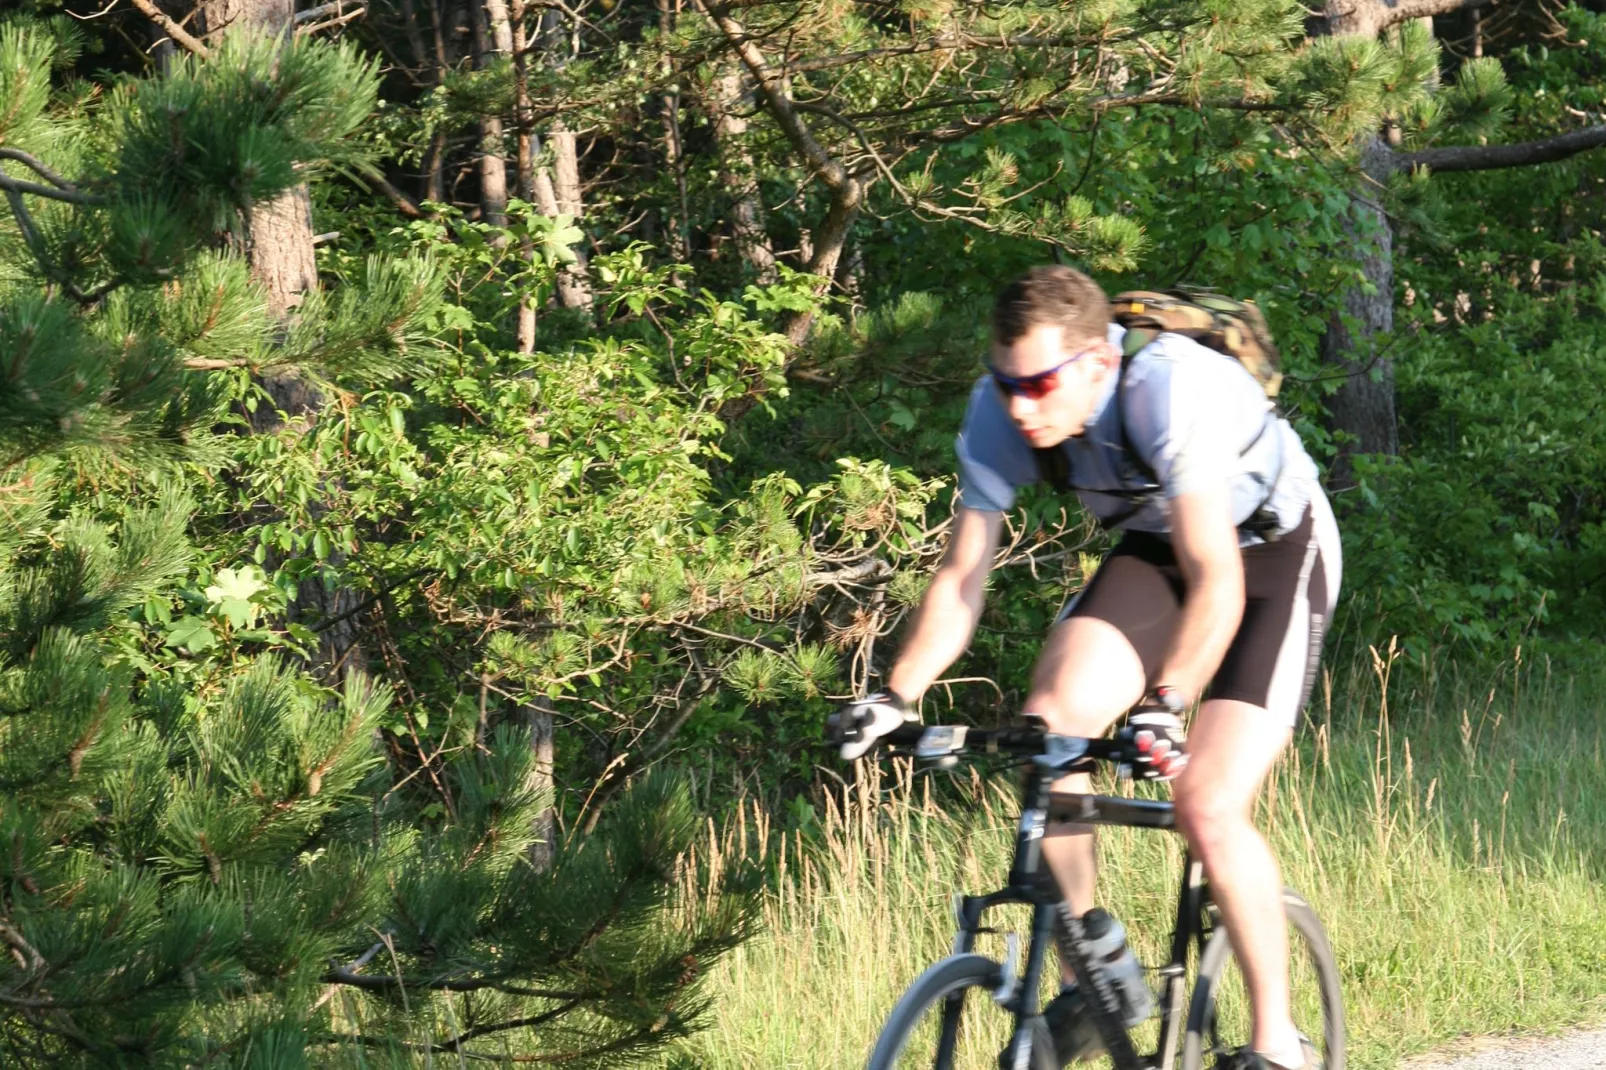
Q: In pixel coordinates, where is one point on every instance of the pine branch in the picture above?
(1496, 157)
(379, 982)
(14, 189)
(454, 1045)
(172, 29)
(38, 167)
(70, 195)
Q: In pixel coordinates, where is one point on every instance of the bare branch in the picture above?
(215, 364)
(772, 84)
(404, 204)
(1369, 18)
(942, 43)
(38, 167)
(172, 29)
(328, 24)
(1496, 157)
(336, 8)
(71, 196)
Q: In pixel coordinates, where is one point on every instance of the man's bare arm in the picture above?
(951, 606)
(1206, 543)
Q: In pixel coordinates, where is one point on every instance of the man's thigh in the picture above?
(1087, 675)
(1231, 747)
(1096, 662)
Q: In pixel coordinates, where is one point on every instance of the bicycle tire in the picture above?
(1199, 1040)
(949, 980)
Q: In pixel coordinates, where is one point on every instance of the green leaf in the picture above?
(193, 634)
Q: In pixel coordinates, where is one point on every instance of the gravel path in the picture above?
(1584, 1050)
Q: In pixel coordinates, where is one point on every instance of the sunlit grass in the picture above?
(1448, 832)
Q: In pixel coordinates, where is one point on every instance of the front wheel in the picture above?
(948, 1020)
(1218, 1016)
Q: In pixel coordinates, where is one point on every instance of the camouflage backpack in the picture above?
(1224, 324)
(1214, 320)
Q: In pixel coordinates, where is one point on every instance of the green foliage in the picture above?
(212, 137)
(199, 832)
(1483, 533)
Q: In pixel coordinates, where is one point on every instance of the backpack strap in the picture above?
(1054, 466)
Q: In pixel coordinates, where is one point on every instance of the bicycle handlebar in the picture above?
(1061, 754)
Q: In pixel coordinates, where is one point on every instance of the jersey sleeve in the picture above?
(994, 460)
(1176, 408)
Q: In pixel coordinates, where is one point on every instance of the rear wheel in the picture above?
(1218, 1016)
(948, 1020)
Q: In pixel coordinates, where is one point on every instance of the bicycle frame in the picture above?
(1031, 883)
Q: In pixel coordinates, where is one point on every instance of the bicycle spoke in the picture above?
(1231, 1027)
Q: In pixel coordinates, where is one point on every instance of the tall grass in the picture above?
(1448, 831)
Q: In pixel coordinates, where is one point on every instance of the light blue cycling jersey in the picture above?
(1195, 417)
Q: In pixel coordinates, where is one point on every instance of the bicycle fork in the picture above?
(1027, 874)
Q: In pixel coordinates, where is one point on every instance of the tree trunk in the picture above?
(279, 247)
(539, 715)
(558, 191)
(518, 39)
(574, 281)
(493, 165)
(1363, 406)
(739, 174)
(828, 241)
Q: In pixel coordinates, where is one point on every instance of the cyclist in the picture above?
(1219, 588)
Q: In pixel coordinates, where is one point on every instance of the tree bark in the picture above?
(539, 717)
(557, 189)
(493, 165)
(279, 247)
(846, 187)
(1363, 405)
(1362, 409)
(1495, 157)
(739, 174)
(1371, 17)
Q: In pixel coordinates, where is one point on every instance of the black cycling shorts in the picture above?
(1290, 588)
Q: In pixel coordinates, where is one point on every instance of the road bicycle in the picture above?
(974, 1012)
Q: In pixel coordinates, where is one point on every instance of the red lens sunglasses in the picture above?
(1036, 387)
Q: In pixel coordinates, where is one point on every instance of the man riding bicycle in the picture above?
(1221, 587)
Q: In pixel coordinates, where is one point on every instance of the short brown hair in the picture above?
(1055, 296)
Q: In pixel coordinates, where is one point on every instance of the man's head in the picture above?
(1050, 352)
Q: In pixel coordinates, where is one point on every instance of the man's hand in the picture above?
(858, 725)
(1154, 728)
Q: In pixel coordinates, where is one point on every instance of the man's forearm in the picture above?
(940, 633)
(1210, 618)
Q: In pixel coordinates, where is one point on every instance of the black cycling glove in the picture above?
(1154, 728)
(858, 725)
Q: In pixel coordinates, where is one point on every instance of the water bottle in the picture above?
(1109, 955)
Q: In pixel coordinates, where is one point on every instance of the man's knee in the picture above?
(1071, 715)
(1206, 817)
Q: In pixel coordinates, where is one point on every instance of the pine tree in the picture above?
(198, 864)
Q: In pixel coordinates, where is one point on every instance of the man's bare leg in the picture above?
(1087, 675)
(1232, 746)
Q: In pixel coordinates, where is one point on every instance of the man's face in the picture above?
(1067, 397)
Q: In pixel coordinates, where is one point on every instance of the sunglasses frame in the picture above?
(1027, 385)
